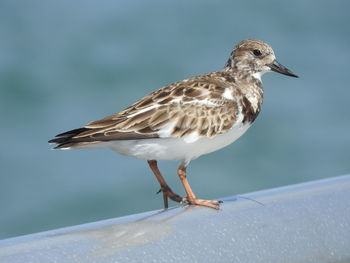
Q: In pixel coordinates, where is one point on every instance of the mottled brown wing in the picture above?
(196, 104)
(182, 119)
(191, 105)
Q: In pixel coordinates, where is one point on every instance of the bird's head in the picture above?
(257, 58)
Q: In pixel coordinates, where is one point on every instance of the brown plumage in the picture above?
(186, 119)
(196, 103)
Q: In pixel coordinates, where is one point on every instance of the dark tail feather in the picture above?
(87, 136)
(66, 140)
(72, 132)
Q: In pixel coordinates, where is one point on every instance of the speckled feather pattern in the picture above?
(194, 105)
(202, 106)
(186, 119)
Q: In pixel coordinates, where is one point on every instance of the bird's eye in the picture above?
(257, 52)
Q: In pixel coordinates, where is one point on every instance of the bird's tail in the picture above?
(68, 140)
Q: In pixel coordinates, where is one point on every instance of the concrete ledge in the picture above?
(308, 222)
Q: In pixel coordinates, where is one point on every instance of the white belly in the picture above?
(175, 148)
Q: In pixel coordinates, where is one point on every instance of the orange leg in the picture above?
(191, 198)
(167, 192)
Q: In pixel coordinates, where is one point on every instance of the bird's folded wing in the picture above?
(178, 110)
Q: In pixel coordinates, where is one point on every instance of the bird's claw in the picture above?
(200, 202)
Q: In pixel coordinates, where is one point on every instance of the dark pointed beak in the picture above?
(277, 67)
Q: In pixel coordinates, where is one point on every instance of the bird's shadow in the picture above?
(115, 235)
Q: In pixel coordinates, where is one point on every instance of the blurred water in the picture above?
(65, 63)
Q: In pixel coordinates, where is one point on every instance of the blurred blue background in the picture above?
(65, 63)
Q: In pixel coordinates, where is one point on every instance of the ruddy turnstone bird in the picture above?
(186, 119)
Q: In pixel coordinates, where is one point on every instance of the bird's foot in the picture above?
(208, 203)
(169, 193)
(190, 201)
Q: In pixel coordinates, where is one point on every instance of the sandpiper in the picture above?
(186, 119)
